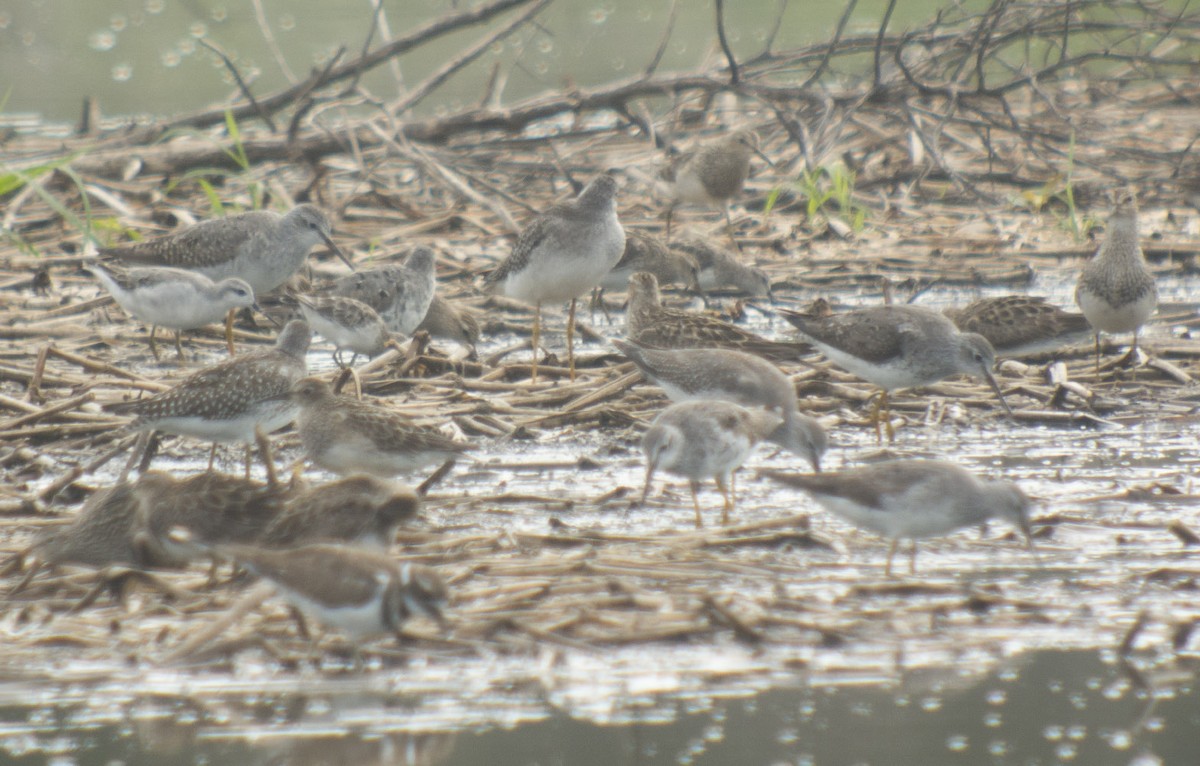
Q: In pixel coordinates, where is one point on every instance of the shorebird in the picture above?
(227, 402)
(401, 295)
(720, 268)
(446, 321)
(733, 376)
(348, 324)
(1020, 325)
(357, 590)
(177, 299)
(712, 175)
(346, 436)
(644, 252)
(704, 439)
(897, 347)
(649, 323)
(913, 499)
(1116, 289)
(562, 254)
(261, 247)
(360, 509)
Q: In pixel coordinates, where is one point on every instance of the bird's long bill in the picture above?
(270, 318)
(991, 379)
(337, 250)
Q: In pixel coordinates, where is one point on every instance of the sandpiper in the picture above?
(226, 402)
(347, 323)
(712, 175)
(400, 294)
(357, 590)
(913, 499)
(100, 535)
(702, 439)
(733, 376)
(173, 298)
(346, 436)
(649, 323)
(720, 268)
(898, 347)
(1020, 325)
(359, 509)
(446, 321)
(562, 254)
(1116, 289)
(262, 247)
(644, 252)
(214, 508)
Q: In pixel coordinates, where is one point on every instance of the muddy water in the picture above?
(1028, 672)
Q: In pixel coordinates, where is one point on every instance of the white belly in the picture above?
(1116, 319)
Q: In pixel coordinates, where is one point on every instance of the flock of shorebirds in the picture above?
(325, 546)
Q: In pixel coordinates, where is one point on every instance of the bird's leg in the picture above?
(670, 212)
(153, 345)
(135, 454)
(537, 337)
(264, 451)
(887, 569)
(695, 487)
(249, 459)
(727, 494)
(1097, 355)
(212, 456)
(651, 465)
(912, 559)
(729, 228)
(178, 345)
(571, 341)
(229, 331)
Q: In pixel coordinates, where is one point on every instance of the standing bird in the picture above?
(1116, 289)
(177, 299)
(262, 247)
(346, 436)
(1020, 325)
(703, 439)
(712, 175)
(360, 591)
(719, 269)
(733, 376)
(446, 321)
(229, 401)
(898, 347)
(347, 323)
(913, 499)
(650, 323)
(401, 295)
(562, 254)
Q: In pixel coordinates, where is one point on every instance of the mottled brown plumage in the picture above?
(649, 323)
(346, 435)
(1018, 325)
(360, 509)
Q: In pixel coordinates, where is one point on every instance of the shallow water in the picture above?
(986, 655)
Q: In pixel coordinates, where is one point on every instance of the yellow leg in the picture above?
(695, 487)
(1097, 354)
(727, 494)
(536, 341)
(178, 345)
(229, 331)
(881, 414)
(571, 341)
(670, 212)
(729, 228)
(153, 345)
(912, 559)
(212, 456)
(249, 459)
